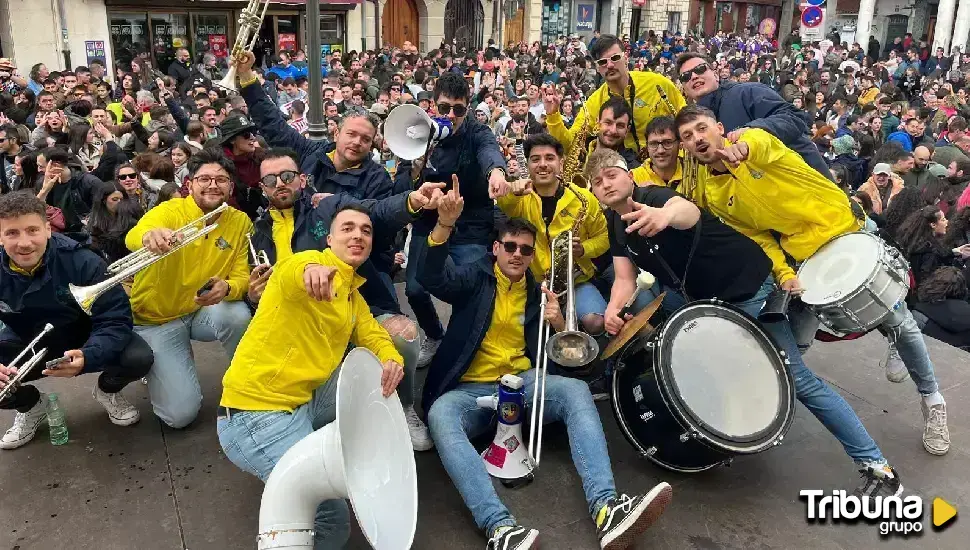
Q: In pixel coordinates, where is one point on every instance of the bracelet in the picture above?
(446, 226)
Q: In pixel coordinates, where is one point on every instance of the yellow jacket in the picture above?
(647, 104)
(775, 190)
(295, 343)
(503, 348)
(166, 290)
(592, 233)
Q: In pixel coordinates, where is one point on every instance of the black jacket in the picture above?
(368, 181)
(45, 298)
(75, 198)
(752, 105)
(179, 72)
(949, 321)
(471, 153)
(311, 226)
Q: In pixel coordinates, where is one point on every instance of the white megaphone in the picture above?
(507, 457)
(364, 455)
(408, 130)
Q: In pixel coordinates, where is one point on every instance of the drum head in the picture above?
(726, 377)
(839, 268)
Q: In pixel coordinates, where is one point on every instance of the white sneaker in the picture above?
(428, 349)
(25, 425)
(895, 368)
(420, 436)
(120, 411)
(936, 435)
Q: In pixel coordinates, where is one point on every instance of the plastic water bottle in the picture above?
(56, 421)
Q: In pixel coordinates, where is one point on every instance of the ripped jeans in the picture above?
(899, 327)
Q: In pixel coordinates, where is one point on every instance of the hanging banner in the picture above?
(287, 41)
(584, 17)
(94, 49)
(217, 45)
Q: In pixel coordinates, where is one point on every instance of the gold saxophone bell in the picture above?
(127, 267)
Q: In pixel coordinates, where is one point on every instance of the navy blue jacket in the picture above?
(45, 298)
(312, 225)
(754, 105)
(369, 181)
(471, 291)
(472, 153)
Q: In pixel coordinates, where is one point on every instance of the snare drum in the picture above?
(854, 281)
(708, 385)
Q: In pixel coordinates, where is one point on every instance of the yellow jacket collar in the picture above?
(347, 274)
(278, 215)
(504, 282)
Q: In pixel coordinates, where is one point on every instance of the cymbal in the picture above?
(633, 327)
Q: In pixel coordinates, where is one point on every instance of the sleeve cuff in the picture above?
(432, 242)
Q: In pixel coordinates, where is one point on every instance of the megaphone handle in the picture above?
(487, 401)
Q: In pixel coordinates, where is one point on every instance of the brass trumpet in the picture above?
(126, 267)
(24, 370)
(250, 19)
(259, 257)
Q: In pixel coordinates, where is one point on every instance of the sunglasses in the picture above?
(445, 108)
(698, 70)
(286, 176)
(127, 176)
(615, 58)
(525, 249)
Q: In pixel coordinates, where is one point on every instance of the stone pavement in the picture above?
(147, 487)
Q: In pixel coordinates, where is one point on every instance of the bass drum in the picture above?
(708, 385)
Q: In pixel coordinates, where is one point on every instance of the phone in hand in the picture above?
(205, 288)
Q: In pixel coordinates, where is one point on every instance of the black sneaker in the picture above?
(513, 538)
(880, 481)
(628, 517)
(600, 388)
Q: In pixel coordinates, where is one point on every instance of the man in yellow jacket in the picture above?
(762, 188)
(553, 210)
(194, 294)
(647, 94)
(282, 383)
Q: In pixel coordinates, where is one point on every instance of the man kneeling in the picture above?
(282, 382)
(493, 332)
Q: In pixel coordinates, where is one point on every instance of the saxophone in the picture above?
(562, 244)
(572, 165)
(689, 171)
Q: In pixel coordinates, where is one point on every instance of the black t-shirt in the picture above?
(726, 264)
(549, 206)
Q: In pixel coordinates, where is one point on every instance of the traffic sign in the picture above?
(815, 2)
(812, 17)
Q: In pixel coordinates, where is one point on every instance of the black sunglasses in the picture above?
(287, 176)
(127, 176)
(525, 249)
(459, 110)
(698, 70)
(615, 58)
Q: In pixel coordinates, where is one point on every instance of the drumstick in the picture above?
(645, 281)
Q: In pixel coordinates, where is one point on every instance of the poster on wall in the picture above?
(287, 41)
(217, 45)
(584, 17)
(94, 49)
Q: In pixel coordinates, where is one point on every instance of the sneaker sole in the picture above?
(601, 397)
(531, 541)
(422, 448)
(935, 452)
(9, 446)
(653, 506)
(898, 378)
(124, 422)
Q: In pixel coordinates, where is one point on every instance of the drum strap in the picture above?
(680, 282)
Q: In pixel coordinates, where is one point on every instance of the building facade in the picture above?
(658, 16)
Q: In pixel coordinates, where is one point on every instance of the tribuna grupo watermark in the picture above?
(894, 515)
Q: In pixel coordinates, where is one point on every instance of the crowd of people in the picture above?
(716, 163)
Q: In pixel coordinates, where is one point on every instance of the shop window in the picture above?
(170, 32)
(211, 36)
(129, 35)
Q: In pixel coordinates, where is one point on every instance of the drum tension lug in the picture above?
(650, 452)
(684, 437)
(727, 462)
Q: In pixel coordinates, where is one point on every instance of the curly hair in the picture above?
(944, 283)
(907, 201)
(21, 203)
(958, 230)
(917, 230)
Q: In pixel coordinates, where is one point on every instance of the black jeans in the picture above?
(134, 363)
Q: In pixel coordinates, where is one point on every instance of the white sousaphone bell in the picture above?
(365, 455)
(408, 130)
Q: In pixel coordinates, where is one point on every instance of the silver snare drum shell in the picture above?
(854, 281)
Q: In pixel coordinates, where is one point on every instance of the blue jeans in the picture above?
(900, 328)
(455, 418)
(256, 440)
(419, 298)
(826, 404)
(173, 382)
(409, 350)
(589, 301)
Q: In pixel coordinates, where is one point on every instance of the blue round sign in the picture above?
(815, 2)
(812, 16)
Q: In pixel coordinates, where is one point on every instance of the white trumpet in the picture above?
(250, 19)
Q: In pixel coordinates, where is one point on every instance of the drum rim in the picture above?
(850, 295)
(625, 427)
(697, 427)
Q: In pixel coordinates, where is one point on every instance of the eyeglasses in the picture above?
(698, 70)
(615, 58)
(286, 176)
(246, 135)
(666, 145)
(209, 180)
(127, 176)
(525, 249)
(459, 110)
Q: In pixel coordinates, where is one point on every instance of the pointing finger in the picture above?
(454, 184)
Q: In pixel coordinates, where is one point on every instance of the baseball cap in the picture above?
(882, 168)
